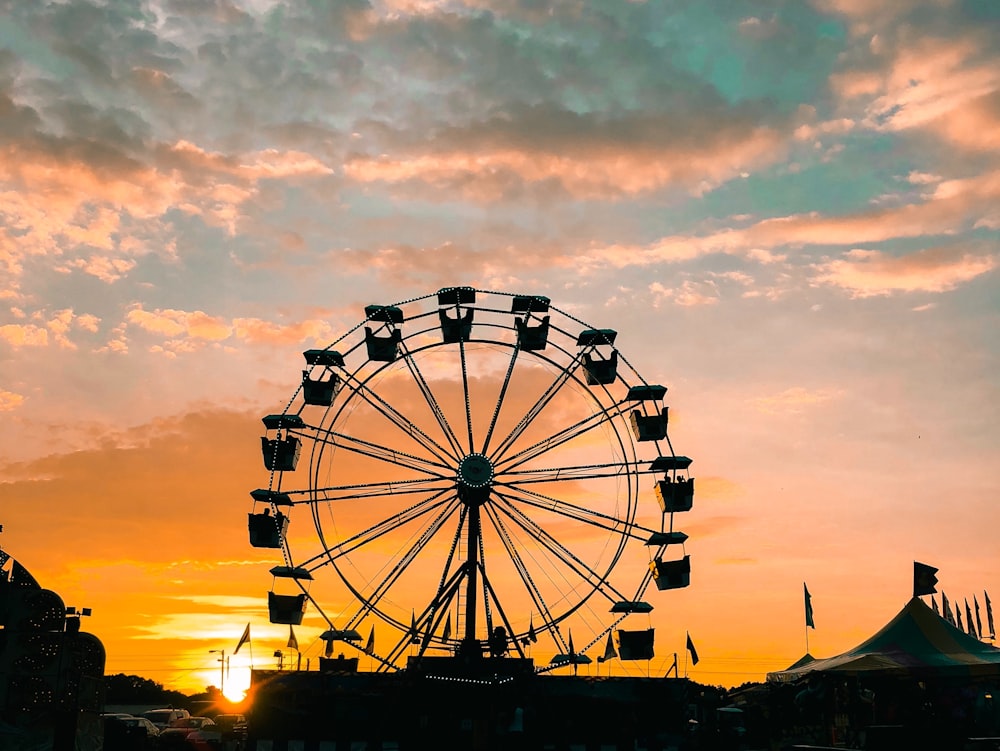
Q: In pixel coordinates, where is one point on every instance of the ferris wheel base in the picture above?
(493, 669)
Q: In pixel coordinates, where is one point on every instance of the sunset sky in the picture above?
(789, 210)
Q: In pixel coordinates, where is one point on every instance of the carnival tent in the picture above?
(916, 642)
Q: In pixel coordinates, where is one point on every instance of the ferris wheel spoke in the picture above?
(374, 490)
(577, 429)
(501, 396)
(374, 532)
(561, 552)
(577, 513)
(581, 472)
(400, 421)
(383, 587)
(536, 409)
(465, 389)
(519, 565)
(432, 402)
(380, 452)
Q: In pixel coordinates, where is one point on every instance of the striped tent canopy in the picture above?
(916, 642)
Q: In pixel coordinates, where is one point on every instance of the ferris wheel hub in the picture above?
(475, 477)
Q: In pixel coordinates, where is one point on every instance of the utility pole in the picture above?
(222, 668)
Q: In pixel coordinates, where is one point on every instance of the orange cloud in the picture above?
(9, 400)
(173, 323)
(24, 335)
(795, 400)
(589, 159)
(868, 273)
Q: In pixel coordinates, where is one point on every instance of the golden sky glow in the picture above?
(788, 210)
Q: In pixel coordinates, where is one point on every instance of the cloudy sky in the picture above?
(790, 212)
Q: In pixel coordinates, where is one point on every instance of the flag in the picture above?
(958, 618)
(979, 620)
(572, 652)
(447, 629)
(946, 607)
(810, 623)
(414, 634)
(989, 614)
(609, 650)
(531, 631)
(924, 579)
(934, 605)
(328, 651)
(370, 645)
(969, 628)
(293, 643)
(243, 639)
(692, 650)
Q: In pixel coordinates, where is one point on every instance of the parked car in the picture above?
(232, 725)
(163, 717)
(180, 732)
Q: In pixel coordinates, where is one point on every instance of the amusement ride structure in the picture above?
(481, 471)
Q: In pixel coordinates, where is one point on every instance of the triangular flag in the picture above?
(810, 623)
(572, 652)
(609, 649)
(328, 651)
(414, 634)
(293, 643)
(692, 650)
(946, 607)
(989, 615)
(969, 628)
(531, 630)
(370, 645)
(447, 629)
(979, 620)
(243, 639)
(958, 618)
(934, 605)
(924, 579)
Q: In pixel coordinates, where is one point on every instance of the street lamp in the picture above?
(222, 668)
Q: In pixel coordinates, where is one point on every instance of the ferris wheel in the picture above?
(477, 471)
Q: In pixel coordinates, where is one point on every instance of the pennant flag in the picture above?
(934, 605)
(531, 630)
(414, 634)
(293, 643)
(969, 628)
(924, 579)
(609, 649)
(328, 651)
(692, 650)
(958, 618)
(979, 620)
(810, 623)
(447, 629)
(946, 606)
(370, 645)
(572, 652)
(243, 639)
(989, 615)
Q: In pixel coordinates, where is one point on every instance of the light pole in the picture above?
(222, 668)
